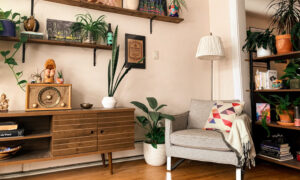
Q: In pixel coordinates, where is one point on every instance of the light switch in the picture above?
(155, 55)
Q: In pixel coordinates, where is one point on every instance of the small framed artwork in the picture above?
(263, 110)
(135, 51)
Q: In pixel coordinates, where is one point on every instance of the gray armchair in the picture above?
(186, 139)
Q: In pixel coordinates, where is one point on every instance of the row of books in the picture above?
(10, 129)
(265, 80)
(273, 149)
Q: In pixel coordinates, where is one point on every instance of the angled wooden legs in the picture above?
(110, 162)
(103, 160)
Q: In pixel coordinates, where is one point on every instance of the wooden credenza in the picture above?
(51, 135)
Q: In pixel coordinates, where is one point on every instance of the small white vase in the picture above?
(132, 4)
(155, 157)
(109, 102)
(261, 52)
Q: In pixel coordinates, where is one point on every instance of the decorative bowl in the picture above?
(86, 105)
(7, 152)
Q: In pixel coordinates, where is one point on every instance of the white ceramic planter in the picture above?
(109, 102)
(132, 4)
(155, 157)
(261, 52)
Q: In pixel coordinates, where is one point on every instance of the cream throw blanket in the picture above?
(240, 141)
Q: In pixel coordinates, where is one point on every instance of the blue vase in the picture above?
(9, 28)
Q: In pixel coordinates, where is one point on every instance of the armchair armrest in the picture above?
(180, 123)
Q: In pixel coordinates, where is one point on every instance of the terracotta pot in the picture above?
(59, 80)
(285, 117)
(284, 44)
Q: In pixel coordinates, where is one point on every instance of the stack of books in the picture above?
(10, 129)
(276, 151)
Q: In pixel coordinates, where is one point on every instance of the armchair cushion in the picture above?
(199, 113)
(200, 139)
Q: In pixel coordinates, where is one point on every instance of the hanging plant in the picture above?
(11, 62)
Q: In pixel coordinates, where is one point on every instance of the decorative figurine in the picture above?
(50, 68)
(3, 103)
(31, 24)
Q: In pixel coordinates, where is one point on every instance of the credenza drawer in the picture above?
(76, 150)
(116, 147)
(115, 130)
(73, 127)
(75, 133)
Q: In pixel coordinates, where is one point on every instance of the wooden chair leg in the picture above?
(110, 162)
(103, 160)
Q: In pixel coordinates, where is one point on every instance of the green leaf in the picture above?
(7, 14)
(23, 39)
(19, 73)
(17, 45)
(11, 61)
(167, 116)
(140, 106)
(109, 79)
(143, 120)
(152, 102)
(15, 15)
(5, 53)
(154, 116)
(22, 82)
(161, 106)
(154, 145)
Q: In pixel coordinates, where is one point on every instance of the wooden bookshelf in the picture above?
(275, 125)
(291, 55)
(290, 163)
(118, 10)
(33, 135)
(275, 90)
(59, 43)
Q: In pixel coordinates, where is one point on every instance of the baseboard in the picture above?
(64, 168)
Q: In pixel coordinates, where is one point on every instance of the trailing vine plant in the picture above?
(11, 62)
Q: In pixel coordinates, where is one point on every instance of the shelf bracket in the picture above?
(95, 49)
(23, 52)
(32, 7)
(151, 22)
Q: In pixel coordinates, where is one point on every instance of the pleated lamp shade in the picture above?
(210, 48)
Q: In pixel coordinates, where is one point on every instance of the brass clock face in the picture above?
(49, 97)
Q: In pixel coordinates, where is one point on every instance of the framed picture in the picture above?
(115, 3)
(135, 50)
(61, 31)
(263, 110)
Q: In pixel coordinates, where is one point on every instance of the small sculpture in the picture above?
(31, 24)
(50, 68)
(3, 103)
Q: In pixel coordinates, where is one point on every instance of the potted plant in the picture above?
(286, 16)
(283, 106)
(113, 81)
(132, 4)
(60, 78)
(261, 42)
(154, 145)
(291, 75)
(175, 6)
(90, 30)
(10, 23)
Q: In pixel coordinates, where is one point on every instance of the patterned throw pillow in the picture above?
(222, 115)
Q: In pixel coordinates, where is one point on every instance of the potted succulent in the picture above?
(113, 80)
(261, 42)
(90, 30)
(154, 145)
(60, 77)
(10, 23)
(175, 6)
(286, 16)
(292, 76)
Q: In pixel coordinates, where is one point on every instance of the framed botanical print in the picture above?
(135, 51)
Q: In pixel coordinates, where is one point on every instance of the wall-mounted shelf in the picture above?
(275, 90)
(118, 10)
(291, 55)
(58, 43)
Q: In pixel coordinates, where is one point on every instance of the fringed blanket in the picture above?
(240, 141)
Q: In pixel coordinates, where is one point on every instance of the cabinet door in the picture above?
(74, 134)
(115, 131)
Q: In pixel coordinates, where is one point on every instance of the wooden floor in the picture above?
(138, 170)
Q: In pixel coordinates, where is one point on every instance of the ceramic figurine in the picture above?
(31, 24)
(173, 10)
(50, 68)
(3, 103)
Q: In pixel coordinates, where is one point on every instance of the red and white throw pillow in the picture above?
(222, 115)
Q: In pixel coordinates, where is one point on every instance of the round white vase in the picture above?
(132, 4)
(109, 102)
(261, 52)
(155, 157)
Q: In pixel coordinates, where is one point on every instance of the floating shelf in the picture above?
(290, 163)
(275, 90)
(118, 10)
(33, 135)
(295, 54)
(275, 125)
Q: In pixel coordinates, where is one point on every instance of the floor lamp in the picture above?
(210, 48)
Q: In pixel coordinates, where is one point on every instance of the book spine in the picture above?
(11, 133)
(8, 127)
(274, 148)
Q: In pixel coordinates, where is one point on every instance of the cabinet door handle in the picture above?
(92, 132)
(101, 131)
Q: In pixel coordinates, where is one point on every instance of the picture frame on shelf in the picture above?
(262, 108)
(135, 50)
(59, 30)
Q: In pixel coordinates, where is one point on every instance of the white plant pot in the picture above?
(261, 52)
(155, 157)
(132, 4)
(109, 102)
